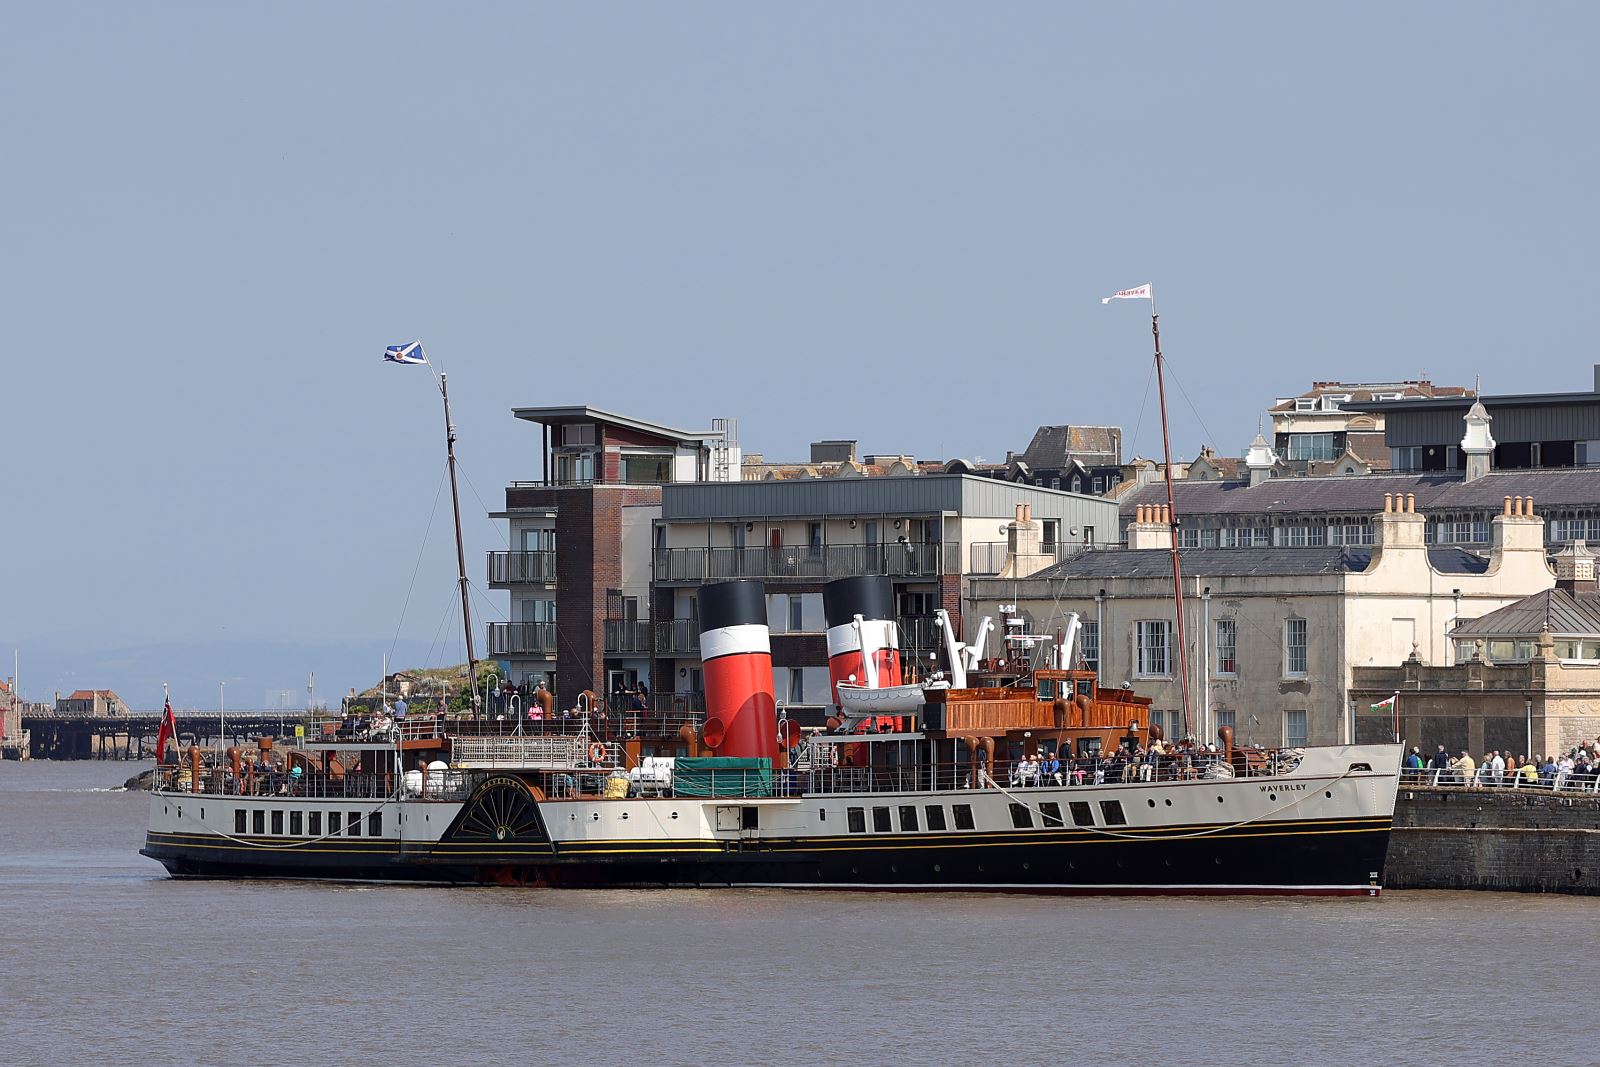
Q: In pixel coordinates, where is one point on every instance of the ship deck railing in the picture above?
(1454, 778)
(547, 752)
(822, 777)
(314, 786)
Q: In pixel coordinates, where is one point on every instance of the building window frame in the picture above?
(1296, 648)
(1152, 640)
(1226, 645)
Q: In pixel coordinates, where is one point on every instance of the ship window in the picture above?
(1082, 814)
(258, 821)
(314, 823)
(375, 824)
(277, 820)
(880, 821)
(822, 814)
(1360, 767)
(335, 822)
(935, 814)
(239, 818)
(963, 813)
(1112, 810)
(1052, 813)
(857, 818)
(1021, 817)
(352, 824)
(296, 828)
(908, 818)
(1047, 688)
(1086, 688)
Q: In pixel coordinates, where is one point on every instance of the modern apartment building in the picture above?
(927, 532)
(577, 566)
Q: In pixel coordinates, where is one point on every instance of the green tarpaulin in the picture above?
(722, 776)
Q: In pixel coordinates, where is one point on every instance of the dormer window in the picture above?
(1331, 401)
(1305, 403)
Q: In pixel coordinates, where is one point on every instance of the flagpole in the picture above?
(1172, 511)
(1396, 716)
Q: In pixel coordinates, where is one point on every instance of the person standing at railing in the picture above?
(1467, 769)
(1497, 769)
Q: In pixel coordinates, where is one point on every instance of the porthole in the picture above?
(896, 870)
(674, 815)
(1329, 794)
(1027, 866)
(1217, 860)
(624, 815)
(937, 868)
(1219, 800)
(594, 816)
(1151, 802)
(1272, 796)
(1169, 802)
(572, 818)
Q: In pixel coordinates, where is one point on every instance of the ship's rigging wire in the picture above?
(421, 549)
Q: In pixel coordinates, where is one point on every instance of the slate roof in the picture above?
(1243, 562)
(1364, 493)
(1555, 610)
(1052, 446)
(1361, 393)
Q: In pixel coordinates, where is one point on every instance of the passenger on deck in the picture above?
(1051, 769)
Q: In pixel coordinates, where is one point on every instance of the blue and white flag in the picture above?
(411, 353)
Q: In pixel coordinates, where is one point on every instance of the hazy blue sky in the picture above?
(887, 221)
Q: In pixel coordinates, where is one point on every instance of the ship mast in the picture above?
(1172, 513)
(461, 552)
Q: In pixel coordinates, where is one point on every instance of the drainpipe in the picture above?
(1205, 664)
(1100, 635)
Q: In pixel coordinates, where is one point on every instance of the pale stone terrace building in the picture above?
(1526, 677)
(1274, 633)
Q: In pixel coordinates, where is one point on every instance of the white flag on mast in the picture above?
(1143, 292)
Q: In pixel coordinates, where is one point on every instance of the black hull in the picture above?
(1346, 857)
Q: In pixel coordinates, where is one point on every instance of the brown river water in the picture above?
(104, 960)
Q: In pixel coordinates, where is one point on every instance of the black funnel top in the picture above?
(871, 596)
(737, 603)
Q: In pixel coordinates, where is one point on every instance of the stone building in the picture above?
(1275, 634)
(90, 702)
(1526, 677)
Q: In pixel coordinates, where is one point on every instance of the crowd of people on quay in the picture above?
(1576, 769)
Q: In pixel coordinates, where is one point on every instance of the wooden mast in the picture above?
(461, 553)
(1172, 513)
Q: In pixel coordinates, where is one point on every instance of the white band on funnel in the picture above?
(879, 633)
(734, 641)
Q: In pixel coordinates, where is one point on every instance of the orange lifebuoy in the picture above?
(597, 753)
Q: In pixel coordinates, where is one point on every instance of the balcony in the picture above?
(622, 636)
(511, 568)
(522, 638)
(679, 637)
(897, 559)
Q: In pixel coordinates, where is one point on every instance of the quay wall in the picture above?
(1518, 841)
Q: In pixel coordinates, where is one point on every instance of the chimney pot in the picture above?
(1507, 510)
(1388, 503)
(1516, 505)
(1411, 503)
(1528, 507)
